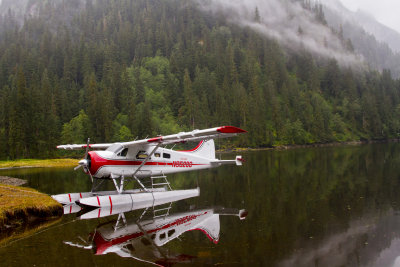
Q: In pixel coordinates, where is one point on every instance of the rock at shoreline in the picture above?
(11, 181)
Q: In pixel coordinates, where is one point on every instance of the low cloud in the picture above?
(287, 22)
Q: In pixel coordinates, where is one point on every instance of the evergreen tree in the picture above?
(114, 70)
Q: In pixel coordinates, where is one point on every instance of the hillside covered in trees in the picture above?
(114, 70)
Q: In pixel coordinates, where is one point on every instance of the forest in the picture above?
(121, 69)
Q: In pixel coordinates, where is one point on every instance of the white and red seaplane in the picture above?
(143, 238)
(145, 159)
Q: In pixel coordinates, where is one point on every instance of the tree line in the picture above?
(117, 70)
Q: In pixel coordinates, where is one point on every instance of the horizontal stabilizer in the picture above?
(242, 214)
(238, 161)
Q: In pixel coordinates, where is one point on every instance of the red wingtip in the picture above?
(230, 129)
(155, 139)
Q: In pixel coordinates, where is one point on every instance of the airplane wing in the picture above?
(195, 135)
(83, 146)
(182, 137)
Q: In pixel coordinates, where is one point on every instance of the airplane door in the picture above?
(159, 160)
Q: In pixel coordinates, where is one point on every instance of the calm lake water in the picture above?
(335, 206)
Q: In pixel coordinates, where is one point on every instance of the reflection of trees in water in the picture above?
(303, 196)
(320, 204)
(370, 241)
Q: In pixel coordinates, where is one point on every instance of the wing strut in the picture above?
(143, 163)
(146, 234)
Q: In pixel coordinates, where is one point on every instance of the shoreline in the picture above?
(37, 163)
(22, 207)
(70, 162)
(20, 167)
(314, 145)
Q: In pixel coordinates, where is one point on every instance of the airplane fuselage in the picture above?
(161, 230)
(163, 161)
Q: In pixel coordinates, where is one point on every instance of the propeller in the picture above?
(85, 162)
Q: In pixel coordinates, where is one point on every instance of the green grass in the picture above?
(38, 163)
(19, 203)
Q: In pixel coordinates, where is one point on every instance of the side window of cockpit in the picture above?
(123, 153)
(166, 155)
(141, 154)
(157, 154)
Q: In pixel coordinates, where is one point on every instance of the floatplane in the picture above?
(142, 238)
(147, 162)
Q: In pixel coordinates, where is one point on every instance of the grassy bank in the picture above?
(19, 205)
(23, 163)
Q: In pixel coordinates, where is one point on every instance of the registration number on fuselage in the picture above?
(180, 164)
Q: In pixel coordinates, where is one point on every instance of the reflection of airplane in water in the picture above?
(142, 237)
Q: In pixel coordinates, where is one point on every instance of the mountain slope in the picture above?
(381, 32)
(378, 44)
(119, 69)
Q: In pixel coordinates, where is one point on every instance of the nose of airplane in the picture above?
(83, 162)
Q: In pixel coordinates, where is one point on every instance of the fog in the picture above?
(287, 22)
(385, 11)
(283, 20)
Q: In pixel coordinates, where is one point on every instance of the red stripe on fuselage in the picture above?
(102, 243)
(98, 162)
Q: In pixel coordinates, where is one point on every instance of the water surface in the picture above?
(335, 206)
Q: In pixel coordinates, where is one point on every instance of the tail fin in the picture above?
(205, 149)
(210, 227)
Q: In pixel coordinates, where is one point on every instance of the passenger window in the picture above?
(162, 236)
(123, 153)
(171, 232)
(157, 155)
(166, 155)
(141, 155)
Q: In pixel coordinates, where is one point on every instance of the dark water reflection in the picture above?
(335, 206)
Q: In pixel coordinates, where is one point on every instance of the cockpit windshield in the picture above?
(115, 148)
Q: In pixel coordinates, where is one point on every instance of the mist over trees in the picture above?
(114, 70)
(380, 50)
